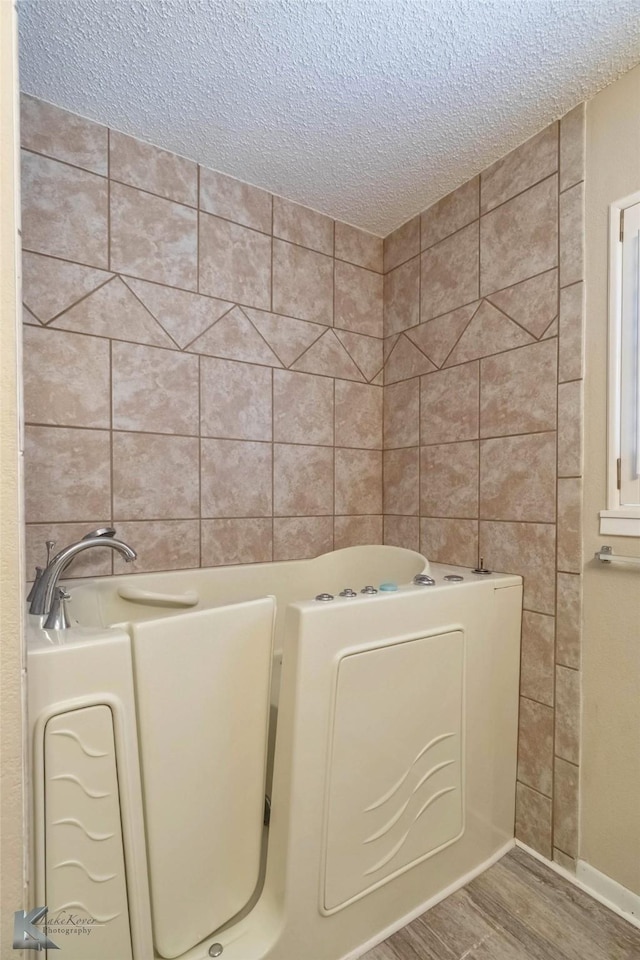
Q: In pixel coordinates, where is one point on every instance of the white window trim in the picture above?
(616, 520)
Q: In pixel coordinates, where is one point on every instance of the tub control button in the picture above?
(423, 580)
(323, 597)
(388, 587)
(348, 592)
(453, 578)
(369, 589)
(215, 950)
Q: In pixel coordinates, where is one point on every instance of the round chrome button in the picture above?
(348, 592)
(323, 597)
(423, 580)
(453, 578)
(369, 589)
(215, 949)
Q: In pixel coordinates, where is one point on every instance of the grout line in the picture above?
(520, 193)
(273, 457)
(198, 213)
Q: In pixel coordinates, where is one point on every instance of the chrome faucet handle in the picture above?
(36, 579)
(50, 544)
(58, 618)
(100, 532)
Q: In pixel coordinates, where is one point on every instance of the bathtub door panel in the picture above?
(84, 861)
(395, 794)
(202, 688)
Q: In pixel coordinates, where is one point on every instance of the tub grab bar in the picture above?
(187, 599)
(605, 554)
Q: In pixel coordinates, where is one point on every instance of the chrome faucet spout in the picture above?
(43, 597)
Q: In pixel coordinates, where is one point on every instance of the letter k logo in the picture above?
(26, 936)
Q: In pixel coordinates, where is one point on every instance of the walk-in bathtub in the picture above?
(163, 733)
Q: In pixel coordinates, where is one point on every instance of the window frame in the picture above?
(618, 519)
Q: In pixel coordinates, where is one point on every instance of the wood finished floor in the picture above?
(519, 909)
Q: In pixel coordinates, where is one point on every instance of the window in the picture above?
(623, 514)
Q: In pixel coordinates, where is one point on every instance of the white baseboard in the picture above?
(609, 892)
(598, 885)
(441, 895)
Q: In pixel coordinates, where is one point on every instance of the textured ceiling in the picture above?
(368, 110)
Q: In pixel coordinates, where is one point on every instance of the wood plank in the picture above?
(519, 909)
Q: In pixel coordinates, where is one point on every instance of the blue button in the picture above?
(388, 587)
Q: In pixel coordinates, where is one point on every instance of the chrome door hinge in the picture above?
(619, 473)
(621, 226)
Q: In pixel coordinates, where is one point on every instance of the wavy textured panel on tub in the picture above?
(202, 689)
(396, 790)
(84, 859)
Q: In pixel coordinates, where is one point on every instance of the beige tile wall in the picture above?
(204, 370)
(483, 426)
(202, 360)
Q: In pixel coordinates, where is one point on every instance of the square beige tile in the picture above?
(358, 247)
(537, 670)
(570, 429)
(153, 238)
(520, 238)
(234, 200)
(67, 474)
(402, 244)
(248, 540)
(358, 482)
(572, 146)
(450, 214)
(90, 563)
(567, 743)
(402, 297)
(526, 549)
(449, 404)
(571, 351)
(519, 393)
(302, 283)
(64, 211)
(358, 304)
(535, 746)
(450, 541)
(449, 273)
(61, 135)
(302, 225)
(154, 390)
(302, 480)
(402, 414)
(356, 531)
(518, 478)
(236, 478)
(235, 400)
(527, 164)
(565, 807)
(569, 615)
(358, 415)
(400, 481)
(160, 545)
(572, 235)
(302, 408)
(401, 532)
(533, 820)
(155, 477)
(449, 480)
(299, 538)
(51, 394)
(570, 525)
(143, 165)
(235, 262)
